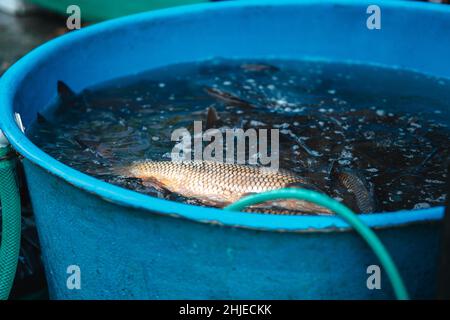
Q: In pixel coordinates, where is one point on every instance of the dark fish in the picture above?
(427, 159)
(228, 98)
(220, 184)
(97, 148)
(415, 174)
(259, 67)
(301, 143)
(356, 185)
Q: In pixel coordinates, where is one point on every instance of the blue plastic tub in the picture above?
(129, 245)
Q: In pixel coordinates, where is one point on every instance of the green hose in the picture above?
(349, 216)
(10, 209)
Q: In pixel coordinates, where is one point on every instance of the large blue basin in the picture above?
(129, 245)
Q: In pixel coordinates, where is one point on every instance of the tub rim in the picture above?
(11, 81)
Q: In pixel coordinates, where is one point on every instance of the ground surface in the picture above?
(19, 35)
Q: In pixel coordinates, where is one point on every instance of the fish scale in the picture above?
(220, 183)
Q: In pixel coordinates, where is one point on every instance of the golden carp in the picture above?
(220, 184)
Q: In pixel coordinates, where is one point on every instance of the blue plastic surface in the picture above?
(129, 245)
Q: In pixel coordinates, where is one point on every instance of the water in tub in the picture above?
(375, 138)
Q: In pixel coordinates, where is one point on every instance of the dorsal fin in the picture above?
(211, 118)
(227, 97)
(64, 91)
(40, 118)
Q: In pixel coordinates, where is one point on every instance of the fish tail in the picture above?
(128, 170)
(122, 171)
(136, 169)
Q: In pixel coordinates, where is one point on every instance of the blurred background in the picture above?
(26, 24)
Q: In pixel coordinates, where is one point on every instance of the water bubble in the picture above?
(381, 112)
(422, 205)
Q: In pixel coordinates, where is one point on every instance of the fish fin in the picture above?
(40, 118)
(122, 171)
(219, 203)
(154, 183)
(247, 194)
(86, 144)
(266, 205)
(213, 203)
(331, 169)
(227, 97)
(419, 169)
(64, 91)
(211, 117)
